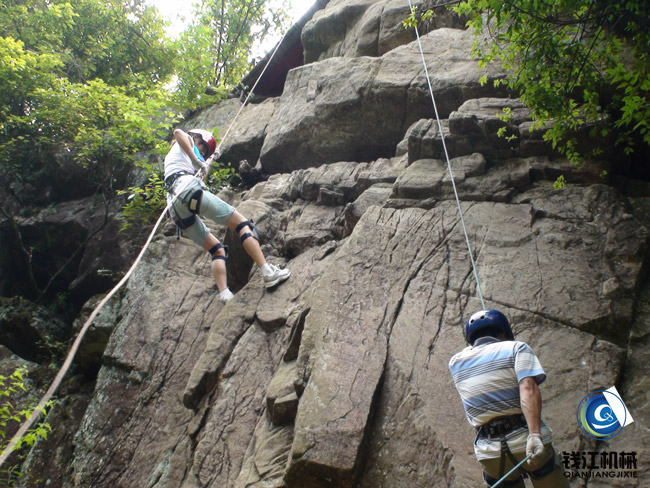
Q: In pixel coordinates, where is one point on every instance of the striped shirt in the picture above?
(487, 378)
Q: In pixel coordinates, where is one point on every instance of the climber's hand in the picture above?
(205, 169)
(535, 449)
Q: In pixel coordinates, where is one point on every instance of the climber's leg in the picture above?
(248, 236)
(218, 265)
(250, 243)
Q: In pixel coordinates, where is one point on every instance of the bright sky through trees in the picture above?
(179, 18)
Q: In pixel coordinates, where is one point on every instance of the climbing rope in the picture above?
(43, 403)
(503, 478)
(451, 174)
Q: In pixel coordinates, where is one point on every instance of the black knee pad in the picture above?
(491, 481)
(251, 226)
(194, 203)
(214, 249)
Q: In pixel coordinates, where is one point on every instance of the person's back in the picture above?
(497, 379)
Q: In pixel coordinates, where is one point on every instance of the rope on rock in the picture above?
(451, 174)
(42, 405)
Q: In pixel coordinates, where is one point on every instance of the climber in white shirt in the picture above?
(192, 153)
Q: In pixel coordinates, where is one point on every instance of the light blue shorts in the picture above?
(212, 207)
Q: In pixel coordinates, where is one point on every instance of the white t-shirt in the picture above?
(178, 160)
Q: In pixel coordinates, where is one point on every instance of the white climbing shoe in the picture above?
(225, 296)
(277, 276)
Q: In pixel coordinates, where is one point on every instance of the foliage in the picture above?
(11, 416)
(81, 81)
(113, 40)
(214, 51)
(559, 183)
(219, 177)
(575, 63)
(146, 202)
(413, 21)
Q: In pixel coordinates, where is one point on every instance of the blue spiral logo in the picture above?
(596, 416)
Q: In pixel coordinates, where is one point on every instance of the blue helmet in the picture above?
(487, 319)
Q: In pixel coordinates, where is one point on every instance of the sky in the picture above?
(171, 12)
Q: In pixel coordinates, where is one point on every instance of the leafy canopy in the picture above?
(90, 84)
(112, 40)
(574, 62)
(214, 51)
(82, 83)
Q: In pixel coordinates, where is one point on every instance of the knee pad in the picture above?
(505, 483)
(253, 230)
(194, 203)
(214, 249)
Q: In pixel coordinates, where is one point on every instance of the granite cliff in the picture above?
(338, 378)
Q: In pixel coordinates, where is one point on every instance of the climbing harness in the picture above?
(40, 408)
(171, 179)
(501, 426)
(451, 175)
(500, 429)
(502, 480)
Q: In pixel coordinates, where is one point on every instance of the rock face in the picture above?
(367, 27)
(359, 108)
(338, 378)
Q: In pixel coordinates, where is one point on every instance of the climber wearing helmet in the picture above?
(497, 379)
(191, 153)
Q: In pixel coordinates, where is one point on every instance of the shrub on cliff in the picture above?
(578, 63)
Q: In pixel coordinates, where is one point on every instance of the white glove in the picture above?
(216, 154)
(205, 169)
(535, 446)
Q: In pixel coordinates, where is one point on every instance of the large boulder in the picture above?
(357, 109)
(367, 27)
(495, 127)
(243, 138)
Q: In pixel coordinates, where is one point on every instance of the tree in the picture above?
(116, 41)
(82, 81)
(575, 63)
(214, 52)
(82, 95)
